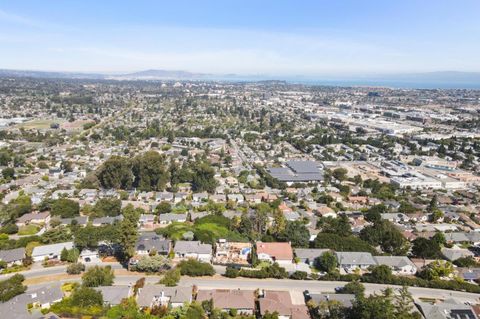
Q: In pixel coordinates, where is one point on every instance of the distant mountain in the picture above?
(442, 79)
(159, 75)
(49, 75)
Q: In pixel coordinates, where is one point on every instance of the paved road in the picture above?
(320, 286)
(273, 284)
(56, 270)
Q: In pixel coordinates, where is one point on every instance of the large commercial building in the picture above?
(298, 171)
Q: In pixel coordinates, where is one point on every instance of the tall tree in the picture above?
(129, 231)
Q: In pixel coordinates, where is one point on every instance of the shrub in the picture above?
(11, 287)
(98, 276)
(231, 272)
(195, 268)
(171, 277)
(299, 275)
(75, 269)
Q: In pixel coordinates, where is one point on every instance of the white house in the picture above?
(351, 261)
(50, 251)
(400, 265)
(193, 249)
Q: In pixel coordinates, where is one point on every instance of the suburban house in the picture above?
(53, 251)
(351, 261)
(199, 197)
(225, 299)
(33, 218)
(453, 254)
(346, 300)
(113, 295)
(107, 220)
(147, 221)
(193, 249)
(448, 309)
(44, 297)
(400, 265)
(169, 218)
(164, 197)
(88, 255)
(79, 220)
(232, 253)
(281, 303)
(151, 242)
(12, 256)
(281, 253)
(308, 255)
(158, 295)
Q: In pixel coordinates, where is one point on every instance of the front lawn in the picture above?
(28, 230)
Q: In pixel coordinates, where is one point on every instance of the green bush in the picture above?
(75, 269)
(65, 208)
(299, 275)
(171, 277)
(231, 272)
(12, 287)
(195, 268)
(98, 276)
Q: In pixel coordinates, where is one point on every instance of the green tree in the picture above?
(152, 263)
(355, 287)
(150, 172)
(194, 268)
(381, 273)
(404, 305)
(129, 231)
(86, 297)
(339, 226)
(296, 233)
(107, 207)
(171, 277)
(203, 178)
(425, 248)
(98, 276)
(116, 172)
(164, 208)
(326, 262)
(340, 173)
(437, 269)
(12, 287)
(65, 208)
(8, 173)
(340, 243)
(387, 236)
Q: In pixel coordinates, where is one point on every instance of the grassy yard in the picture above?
(38, 124)
(28, 230)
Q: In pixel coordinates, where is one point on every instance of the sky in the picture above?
(263, 37)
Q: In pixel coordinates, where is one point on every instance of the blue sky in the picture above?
(266, 37)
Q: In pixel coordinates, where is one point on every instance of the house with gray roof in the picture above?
(79, 220)
(13, 256)
(193, 249)
(453, 254)
(308, 255)
(113, 295)
(36, 299)
(159, 295)
(169, 218)
(351, 261)
(400, 265)
(346, 300)
(53, 251)
(449, 309)
(149, 241)
(106, 220)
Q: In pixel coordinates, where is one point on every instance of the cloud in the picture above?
(17, 19)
